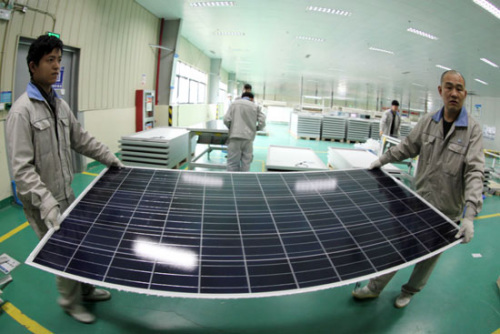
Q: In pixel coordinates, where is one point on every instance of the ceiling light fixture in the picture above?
(328, 11)
(443, 67)
(212, 4)
(421, 33)
(309, 38)
(489, 62)
(489, 7)
(381, 50)
(481, 81)
(229, 33)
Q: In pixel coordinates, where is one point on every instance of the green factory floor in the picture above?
(461, 296)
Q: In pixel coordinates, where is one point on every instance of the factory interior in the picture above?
(155, 80)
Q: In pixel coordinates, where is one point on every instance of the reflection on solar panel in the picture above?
(226, 235)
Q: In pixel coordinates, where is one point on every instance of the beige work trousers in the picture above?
(239, 155)
(70, 291)
(419, 277)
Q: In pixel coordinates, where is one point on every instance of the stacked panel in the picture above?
(162, 147)
(306, 125)
(334, 127)
(358, 129)
(375, 130)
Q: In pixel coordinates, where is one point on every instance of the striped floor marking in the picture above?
(486, 217)
(91, 174)
(14, 231)
(17, 315)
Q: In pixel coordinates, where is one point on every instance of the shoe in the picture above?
(364, 293)
(403, 300)
(80, 313)
(97, 295)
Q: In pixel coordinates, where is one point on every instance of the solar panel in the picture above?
(231, 235)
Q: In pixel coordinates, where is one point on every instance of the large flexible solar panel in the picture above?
(228, 235)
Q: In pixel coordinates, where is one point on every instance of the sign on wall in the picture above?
(489, 132)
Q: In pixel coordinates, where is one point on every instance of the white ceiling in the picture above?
(270, 55)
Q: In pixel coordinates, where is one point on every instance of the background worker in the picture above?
(41, 131)
(391, 121)
(449, 175)
(243, 119)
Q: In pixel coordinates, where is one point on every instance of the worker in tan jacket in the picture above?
(41, 132)
(449, 175)
(243, 119)
(391, 121)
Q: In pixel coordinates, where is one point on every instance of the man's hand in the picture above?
(375, 164)
(466, 230)
(53, 219)
(117, 163)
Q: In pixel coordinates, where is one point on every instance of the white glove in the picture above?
(117, 163)
(375, 164)
(466, 230)
(53, 219)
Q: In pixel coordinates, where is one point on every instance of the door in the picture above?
(66, 86)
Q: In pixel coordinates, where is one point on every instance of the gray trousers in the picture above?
(70, 291)
(239, 155)
(419, 277)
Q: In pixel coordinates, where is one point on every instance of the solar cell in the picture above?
(228, 235)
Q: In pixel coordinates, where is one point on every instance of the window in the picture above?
(191, 84)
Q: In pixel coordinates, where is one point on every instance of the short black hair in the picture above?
(395, 103)
(452, 72)
(43, 45)
(247, 86)
(247, 94)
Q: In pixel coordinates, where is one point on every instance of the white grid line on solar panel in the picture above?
(128, 223)
(364, 207)
(241, 236)
(153, 270)
(350, 234)
(176, 244)
(318, 241)
(281, 241)
(200, 253)
(83, 239)
(375, 225)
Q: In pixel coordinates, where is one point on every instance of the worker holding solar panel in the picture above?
(41, 132)
(449, 175)
(243, 119)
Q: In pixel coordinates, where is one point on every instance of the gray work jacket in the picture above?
(40, 158)
(243, 119)
(386, 122)
(450, 170)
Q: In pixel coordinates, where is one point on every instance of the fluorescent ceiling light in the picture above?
(381, 50)
(212, 4)
(489, 62)
(229, 33)
(421, 33)
(309, 38)
(313, 97)
(416, 84)
(489, 7)
(443, 67)
(481, 81)
(328, 10)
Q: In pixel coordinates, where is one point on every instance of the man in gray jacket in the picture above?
(391, 121)
(449, 175)
(41, 131)
(243, 119)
